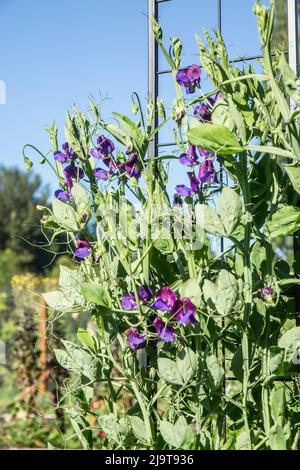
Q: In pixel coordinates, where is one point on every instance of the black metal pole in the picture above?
(152, 69)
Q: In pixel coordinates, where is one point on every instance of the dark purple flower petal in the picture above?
(130, 166)
(145, 293)
(63, 196)
(189, 158)
(164, 333)
(83, 249)
(189, 78)
(207, 172)
(71, 171)
(266, 293)
(101, 174)
(183, 190)
(128, 301)
(61, 157)
(105, 145)
(194, 182)
(164, 300)
(205, 153)
(136, 340)
(95, 153)
(184, 311)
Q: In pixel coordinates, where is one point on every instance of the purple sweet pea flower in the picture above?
(183, 190)
(145, 293)
(165, 299)
(164, 333)
(207, 172)
(266, 294)
(203, 111)
(130, 166)
(128, 301)
(189, 158)
(189, 78)
(71, 171)
(194, 182)
(205, 153)
(136, 340)
(66, 155)
(105, 145)
(61, 195)
(101, 174)
(83, 249)
(184, 311)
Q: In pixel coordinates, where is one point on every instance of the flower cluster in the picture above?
(71, 171)
(180, 310)
(206, 172)
(104, 152)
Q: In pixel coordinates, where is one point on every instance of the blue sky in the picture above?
(55, 53)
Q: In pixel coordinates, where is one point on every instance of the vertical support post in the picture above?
(292, 16)
(153, 69)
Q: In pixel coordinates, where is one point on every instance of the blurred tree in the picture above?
(20, 193)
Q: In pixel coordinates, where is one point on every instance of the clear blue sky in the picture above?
(55, 53)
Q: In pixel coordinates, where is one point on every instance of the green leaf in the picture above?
(138, 427)
(96, 294)
(230, 209)
(83, 362)
(277, 440)
(290, 338)
(237, 364)
(175, 434)
(223, 295)
(208, 218)
(168, 371)
(181, 370)
(69, 284)
(210, 293)
(114, 429)
(165, 245)
(87, 339)
(191, 289)
(278, 402)
(117, 133)
(284, 222)
(81, 428)
(215, 138)
(293, 173)
(215, 371)
(57, 301)
(243, 441)
(81, 199)
(222, 115)
(65, 215)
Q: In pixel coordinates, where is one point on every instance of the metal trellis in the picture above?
(153, 90)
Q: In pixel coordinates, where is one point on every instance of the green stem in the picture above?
(247, 292)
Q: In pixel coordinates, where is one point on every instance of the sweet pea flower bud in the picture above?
(157, 31)
(134, 108)
(177, 49)
(161, 109)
